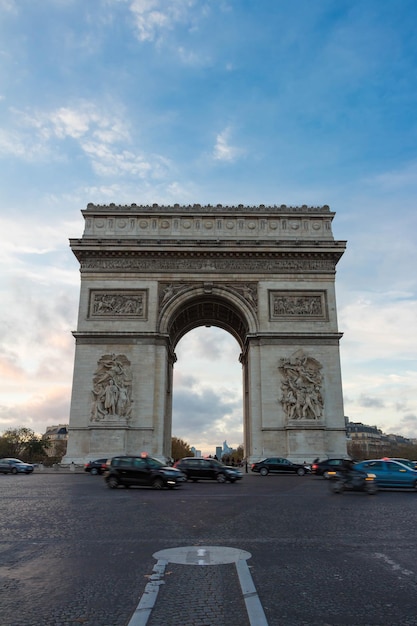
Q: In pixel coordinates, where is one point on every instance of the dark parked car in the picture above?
(321, 468)
(15, 466)
(143, 471)
(275, 464)
(196, 469)
(99, 466)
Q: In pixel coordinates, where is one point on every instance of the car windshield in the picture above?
(155, 463)
(405, 462)
(215, 462)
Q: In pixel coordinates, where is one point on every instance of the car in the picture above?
(407, 462)
(196, 468)
(279, 465)
(99, 466)
(15, 466)
(143, 471)
(322, 468)
(390, 473)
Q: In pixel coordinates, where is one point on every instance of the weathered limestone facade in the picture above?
(150, 274)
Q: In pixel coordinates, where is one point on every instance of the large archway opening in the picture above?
(208, 330)
(207, 390)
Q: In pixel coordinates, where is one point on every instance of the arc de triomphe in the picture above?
(150, 274)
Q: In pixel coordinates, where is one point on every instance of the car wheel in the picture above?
(112, 482)
(14, 470)
(263, 471)
(158, 483)
(301, 471)
(221, 478)
(94, 471)
(326, 475)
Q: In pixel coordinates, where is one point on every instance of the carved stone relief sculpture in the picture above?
(298, 305)
(248, 291)
(115, 303)
(112, 389)
(168, 290)
(301, 387)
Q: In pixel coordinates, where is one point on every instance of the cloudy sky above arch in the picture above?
(187, 101)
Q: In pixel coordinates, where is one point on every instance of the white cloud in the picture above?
(9, 6)
(378, 325)
(21, 145)
(395, 179)
(223, 150)
(102, 137)
(154, 17)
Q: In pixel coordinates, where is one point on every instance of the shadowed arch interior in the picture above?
(207, 311)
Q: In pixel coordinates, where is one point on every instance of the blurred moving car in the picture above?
(390, 473)
(142, 471)
(196, 468)
(412, 464)
(15, 466)
(278, 465)
(99, 466)
(322, 468)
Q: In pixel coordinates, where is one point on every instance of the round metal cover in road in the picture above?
(202, 555)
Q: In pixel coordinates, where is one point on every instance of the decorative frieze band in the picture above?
(297, 305)
(231, 226)
(206, 264)
(118, 303)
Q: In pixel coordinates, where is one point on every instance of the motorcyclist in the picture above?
(349, 473)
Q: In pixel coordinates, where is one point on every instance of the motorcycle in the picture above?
(354, 481)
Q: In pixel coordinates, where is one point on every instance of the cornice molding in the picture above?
(204, 208)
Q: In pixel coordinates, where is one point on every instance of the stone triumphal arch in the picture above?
(150, 274)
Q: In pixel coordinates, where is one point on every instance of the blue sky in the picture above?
(209, 101)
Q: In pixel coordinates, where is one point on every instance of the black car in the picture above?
(321, 468)
(196, 468)
(99, 466)
(278, 465)
(144, 471)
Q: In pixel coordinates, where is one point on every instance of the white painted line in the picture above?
(189, 555)
(254, 607)
(395, 566)
(148, 599)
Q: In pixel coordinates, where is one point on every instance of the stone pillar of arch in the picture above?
(150, 274)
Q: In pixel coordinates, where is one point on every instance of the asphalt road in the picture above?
(74, 552)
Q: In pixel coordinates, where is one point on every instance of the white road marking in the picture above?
(147, 602)
(191, 555)
(395, 566)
